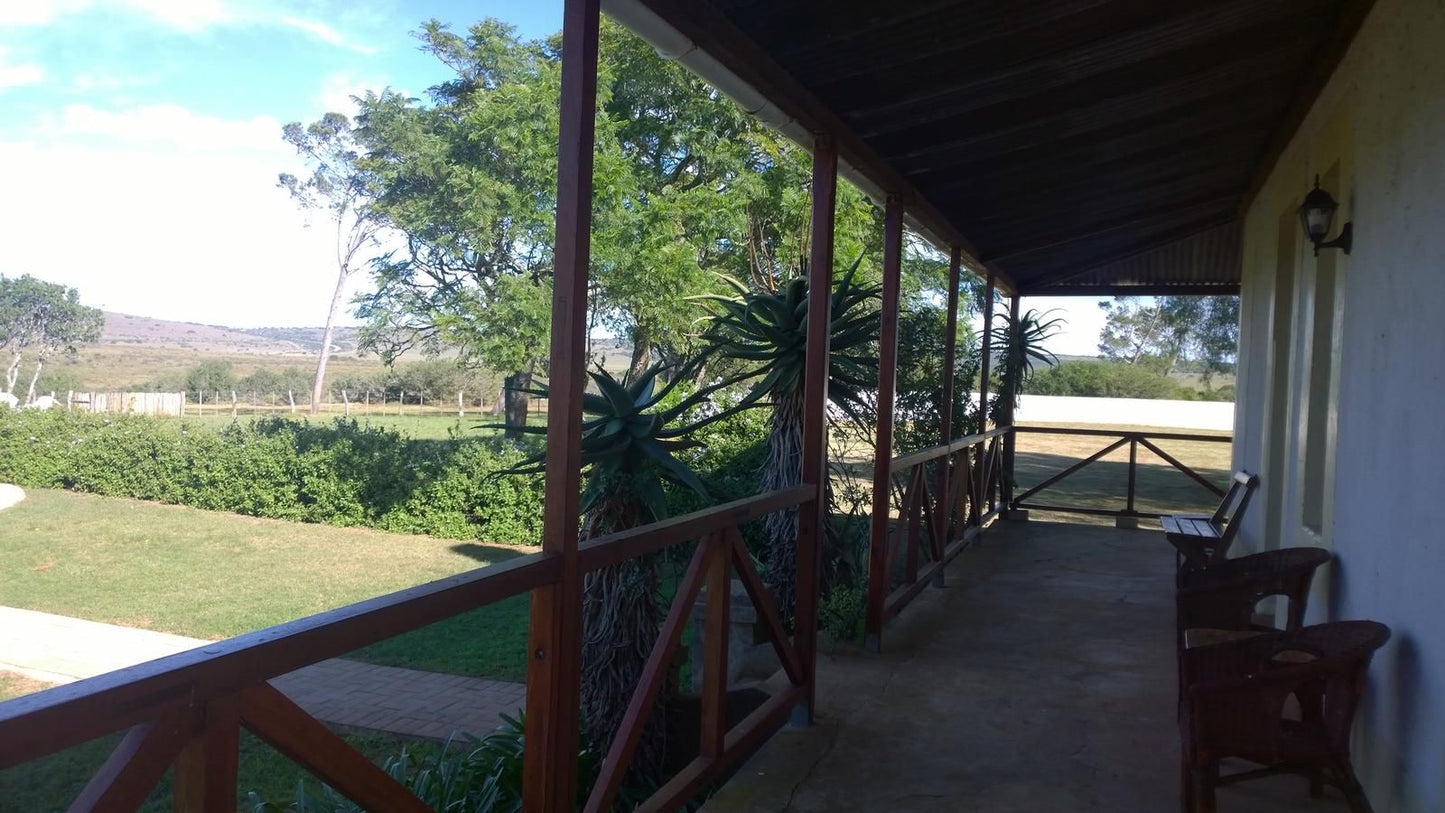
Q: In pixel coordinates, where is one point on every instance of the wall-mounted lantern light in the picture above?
(1317, 214)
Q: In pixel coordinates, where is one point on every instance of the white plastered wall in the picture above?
(1377, 133)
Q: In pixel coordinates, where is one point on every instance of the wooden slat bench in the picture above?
(1202, 541)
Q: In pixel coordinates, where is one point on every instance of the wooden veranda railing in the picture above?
(945, 495)
(186, 711)
(1121, 438)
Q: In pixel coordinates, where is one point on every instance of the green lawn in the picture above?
(1159, 487)
(48, 785)
(213, 575)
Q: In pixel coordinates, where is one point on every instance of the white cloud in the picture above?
(187, 16)
(326, 34)
(163, 212)
(1078, 333)
(338, 90)
(18, 74)
(170, 125)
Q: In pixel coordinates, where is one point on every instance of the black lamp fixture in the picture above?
(1317, 214)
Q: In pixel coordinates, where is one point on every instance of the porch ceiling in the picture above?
(1069, 146)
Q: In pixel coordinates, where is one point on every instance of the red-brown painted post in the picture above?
(555, 644)
(887, 379)
(1010, 440)
(980, 484)
(945, 407)
(813, 516)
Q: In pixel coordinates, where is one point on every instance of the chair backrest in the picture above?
(1231, 508)
(1225, 595)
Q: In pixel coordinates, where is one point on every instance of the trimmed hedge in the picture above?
(337, 473)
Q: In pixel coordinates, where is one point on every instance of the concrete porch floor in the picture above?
(1040, 679)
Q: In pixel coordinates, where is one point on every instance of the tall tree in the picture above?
(469, 179)
(46, 316)
(1163, 331)
(343, 191)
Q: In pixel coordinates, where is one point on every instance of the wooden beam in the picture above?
(813, 517)
(45, 722)
(716, 35)
(554, 662)
(1186, 209)
(945, 402)
(985, 367)
(883, 448)
(206, 771)
(303, 739)
(1010, 440)
(1161, 289)
(643, 702)
(127, 776)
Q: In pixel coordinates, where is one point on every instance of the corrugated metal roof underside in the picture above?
(1080, 145)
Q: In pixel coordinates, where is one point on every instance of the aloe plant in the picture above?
(768, 332)
(630, 434)
(1021, 346)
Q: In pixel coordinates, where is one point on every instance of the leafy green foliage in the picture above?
(467, 776)
(338, 473)
(768, 331)
(916, 406)
(1167, 330)
(1116, 379)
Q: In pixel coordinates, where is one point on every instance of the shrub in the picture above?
(337, 472)
(1101, 379)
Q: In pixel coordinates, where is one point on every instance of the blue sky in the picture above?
(140, 141)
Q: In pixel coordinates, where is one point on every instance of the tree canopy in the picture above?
(1163, 331)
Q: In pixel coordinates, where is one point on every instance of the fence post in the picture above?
(69, 400)
(233, 404)
(346, 404)
(461, 406)
(401, 403)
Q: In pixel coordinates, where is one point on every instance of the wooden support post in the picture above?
(980, 481)
(401, 403)
(461, 404)
(554, 665)
(945, 408)
(715, 645)
(205, 771)
(813, 516)
(1010, 440)
(883, 454)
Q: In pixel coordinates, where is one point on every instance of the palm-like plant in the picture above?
(768, 332)
(1021, 345)
(629, 437)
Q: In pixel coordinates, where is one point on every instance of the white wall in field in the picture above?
(1214, 415)
(1352, 346)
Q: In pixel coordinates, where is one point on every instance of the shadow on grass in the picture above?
(1159, 487)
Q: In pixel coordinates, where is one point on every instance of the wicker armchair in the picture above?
(1224, 596)
(1234, 703)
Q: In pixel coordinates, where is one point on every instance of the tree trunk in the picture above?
(12, 373)
(326, 335)
(517, 403)
(641, 354)
(30, 395)
(784, 470)
(620, 624)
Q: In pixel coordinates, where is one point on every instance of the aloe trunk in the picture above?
(620, 623)
(784, 470)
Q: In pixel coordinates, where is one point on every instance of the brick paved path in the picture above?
(59, 649)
